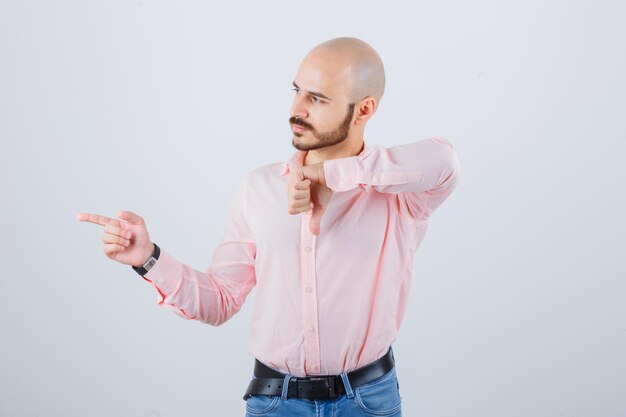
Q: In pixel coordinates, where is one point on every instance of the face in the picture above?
(322, 139)
(321, 113)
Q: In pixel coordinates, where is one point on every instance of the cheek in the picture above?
(323, 119)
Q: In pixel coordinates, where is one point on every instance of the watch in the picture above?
(143, 269)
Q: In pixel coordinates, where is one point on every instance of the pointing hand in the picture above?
(127, 240)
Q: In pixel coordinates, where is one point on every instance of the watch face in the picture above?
(148, 265)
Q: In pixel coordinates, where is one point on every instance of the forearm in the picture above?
(415, 167)
(212, 296)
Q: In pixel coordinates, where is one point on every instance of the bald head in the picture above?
(355, 63)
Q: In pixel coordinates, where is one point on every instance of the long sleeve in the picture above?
(215, 295)
(422, 173)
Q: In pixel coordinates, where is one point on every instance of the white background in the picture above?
(159, 107)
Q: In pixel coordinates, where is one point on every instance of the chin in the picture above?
(296, 142)
(300, 144)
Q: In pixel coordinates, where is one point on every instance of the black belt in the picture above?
(269, 381)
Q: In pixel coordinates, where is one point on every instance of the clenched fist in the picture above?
(127, 240)
(307, 191)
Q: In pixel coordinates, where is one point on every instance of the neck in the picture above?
(349, 147)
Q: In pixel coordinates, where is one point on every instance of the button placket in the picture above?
(309, 298)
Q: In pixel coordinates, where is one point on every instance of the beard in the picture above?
(324, 139)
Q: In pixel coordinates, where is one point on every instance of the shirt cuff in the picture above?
(342, 174)
(166, 274)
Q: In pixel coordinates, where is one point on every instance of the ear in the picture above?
(365, 109)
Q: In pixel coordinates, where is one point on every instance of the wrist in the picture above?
(315, 173)
(150, 261)
(322, 174)
(149, 252)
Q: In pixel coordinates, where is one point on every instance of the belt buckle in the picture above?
(332, 387)
(332, 384)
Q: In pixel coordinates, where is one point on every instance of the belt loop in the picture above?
(283, 395)
(346, 384)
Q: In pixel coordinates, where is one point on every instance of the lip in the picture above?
(299, 129)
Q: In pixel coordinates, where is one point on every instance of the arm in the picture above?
(422, 173)
(215, 295)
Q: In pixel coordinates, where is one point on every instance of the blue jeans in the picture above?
(380, 397)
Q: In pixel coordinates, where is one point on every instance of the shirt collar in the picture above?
(297, 160)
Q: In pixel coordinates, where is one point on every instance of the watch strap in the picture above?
(143, 269)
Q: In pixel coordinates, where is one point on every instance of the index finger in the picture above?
(93, 218)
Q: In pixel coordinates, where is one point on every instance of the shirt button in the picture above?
(309, 289)
(311, 329)
(307, 249)
(342, 183)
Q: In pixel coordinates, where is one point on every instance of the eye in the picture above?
(314, 99)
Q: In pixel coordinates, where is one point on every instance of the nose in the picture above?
(298, 107)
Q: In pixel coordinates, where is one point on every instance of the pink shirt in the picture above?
(324, 304)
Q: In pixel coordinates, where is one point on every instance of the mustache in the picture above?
(297, 121)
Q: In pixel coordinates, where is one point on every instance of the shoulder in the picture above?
(267, 169)
(262, 177)
(264, 172)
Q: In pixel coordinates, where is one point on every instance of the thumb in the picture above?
(130, 217)
(316, 218)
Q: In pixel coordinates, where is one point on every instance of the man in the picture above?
(333, 268)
